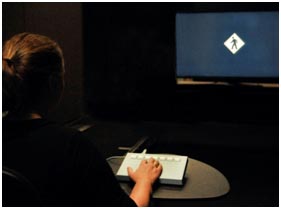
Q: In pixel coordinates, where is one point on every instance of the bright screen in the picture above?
(227, 44)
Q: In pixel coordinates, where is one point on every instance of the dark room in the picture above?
(162, 104)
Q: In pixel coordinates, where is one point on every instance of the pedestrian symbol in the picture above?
(234, 43)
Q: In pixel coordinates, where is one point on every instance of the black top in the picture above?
(61, 163)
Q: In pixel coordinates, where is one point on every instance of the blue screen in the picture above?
(200, 49)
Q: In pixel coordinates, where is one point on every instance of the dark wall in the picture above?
(128, 58)
(130, 68)
(128, 50)
(63, 23)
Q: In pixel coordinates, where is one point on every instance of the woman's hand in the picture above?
(148, 170)
(144, 177)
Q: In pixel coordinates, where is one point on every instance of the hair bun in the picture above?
(8, 66)
(9, 62)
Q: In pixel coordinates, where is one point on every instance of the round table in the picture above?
(201, 181)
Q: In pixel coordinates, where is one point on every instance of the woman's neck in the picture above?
(34, 116)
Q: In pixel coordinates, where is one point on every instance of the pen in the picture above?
(143, 153)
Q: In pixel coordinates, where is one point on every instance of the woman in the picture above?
(63, 166)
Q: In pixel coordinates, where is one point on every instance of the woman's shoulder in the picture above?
(39, 131)
(42, 136)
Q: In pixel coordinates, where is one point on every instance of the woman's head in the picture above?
(32, 71)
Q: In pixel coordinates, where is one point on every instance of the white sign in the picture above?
(234, 43)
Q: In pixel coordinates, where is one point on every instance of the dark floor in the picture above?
(248, 155)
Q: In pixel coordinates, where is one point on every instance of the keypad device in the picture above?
(174, 167)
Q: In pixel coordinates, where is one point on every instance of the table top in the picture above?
(201, 181)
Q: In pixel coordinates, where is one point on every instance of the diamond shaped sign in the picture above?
(234, 43)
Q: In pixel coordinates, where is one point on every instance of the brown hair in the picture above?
(32, 71)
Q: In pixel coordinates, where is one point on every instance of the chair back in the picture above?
(17, 190)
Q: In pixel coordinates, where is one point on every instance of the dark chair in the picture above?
(17, 190)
